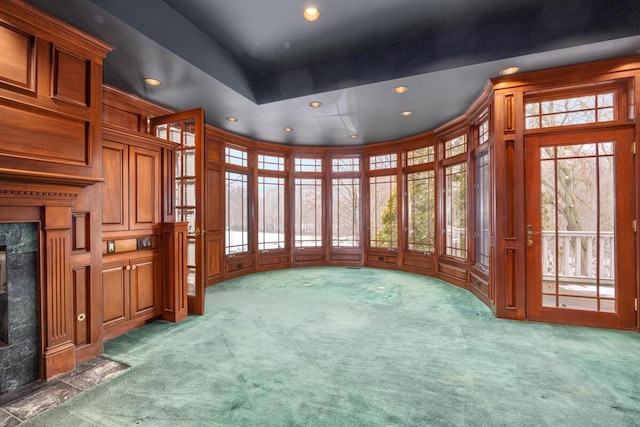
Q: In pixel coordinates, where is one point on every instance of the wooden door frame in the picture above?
(622, 319)
(195, 302)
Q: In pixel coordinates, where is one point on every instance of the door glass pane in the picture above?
(578, 218)
(189, 162)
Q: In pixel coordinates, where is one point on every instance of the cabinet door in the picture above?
(145, 289)
(115, 294)
(115, 190)
(144, 184)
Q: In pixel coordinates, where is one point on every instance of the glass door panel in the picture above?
(578, 217)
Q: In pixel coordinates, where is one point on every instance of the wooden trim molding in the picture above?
(47, 178)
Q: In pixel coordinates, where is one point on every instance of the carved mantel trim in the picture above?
(19, 185)
(47, 178)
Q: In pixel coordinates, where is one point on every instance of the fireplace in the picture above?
(19, 314)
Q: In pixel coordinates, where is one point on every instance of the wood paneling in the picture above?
(115, 293)
(237, 265)
(144, 184)
(214, 258)
(145, 290)
(213, 215)
(17, 59)
(417, 261)
(174, 278)
(124, 119)
(71, 79)
(81, 232)
(44, 137)
(115, 194)
(82, 304)
(346, 257)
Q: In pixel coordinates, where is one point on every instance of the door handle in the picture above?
(530, 234)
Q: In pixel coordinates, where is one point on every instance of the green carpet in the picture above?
(359, 347)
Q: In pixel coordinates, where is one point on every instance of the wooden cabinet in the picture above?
(131, 193)
(131, 292)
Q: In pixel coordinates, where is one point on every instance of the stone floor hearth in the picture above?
(32, 399)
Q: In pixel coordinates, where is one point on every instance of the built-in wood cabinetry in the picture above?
(134, 188)
(131, 192)
(131, 289)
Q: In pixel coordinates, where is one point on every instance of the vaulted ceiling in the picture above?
(262, 63)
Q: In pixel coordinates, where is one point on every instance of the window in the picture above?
(421, 211)
(420, 156)
(385, 161)
(308, 218)
(455, 146)
(236, 157)
(456, 210)
(308, 213)
(483, 132)
(455, 196)
(270, 163)
(383, 212)
(271, 204)
(349, 164)
(483, 231)
(237, 203)
(308, 165)
(578, 110)
(345, 202)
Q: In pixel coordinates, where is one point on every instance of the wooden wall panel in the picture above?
(71, 82)
(81, 292)
(121, 118)
(214, 258)
(144, 282)
(17, 58)
(115, 194)
(213, 213)
(81, 232)
(43, 137)
(115, 307)
(144, 180)
(57, 280)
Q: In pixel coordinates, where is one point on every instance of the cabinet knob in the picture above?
(133, 267)
(127, 267)
(81, 317)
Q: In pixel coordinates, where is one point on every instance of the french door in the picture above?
(580, 228)
(187, 129)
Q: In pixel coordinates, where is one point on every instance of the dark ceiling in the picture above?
(259, 61)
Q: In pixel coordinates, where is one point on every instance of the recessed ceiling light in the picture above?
(311, 14)
(315, 104)
(407, 113)
(152, 82)
(353, 136)
(400, 89)
(287, 129)
(510, 70)
(232, 119)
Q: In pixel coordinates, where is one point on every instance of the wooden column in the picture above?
(57, 313)
(174, 277)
